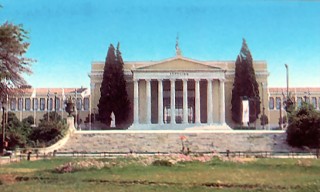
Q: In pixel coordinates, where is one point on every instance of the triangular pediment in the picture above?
(176, 64)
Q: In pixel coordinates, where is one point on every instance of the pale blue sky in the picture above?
(66, 36)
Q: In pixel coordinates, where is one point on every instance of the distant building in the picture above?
(38, 101)
(297, 94)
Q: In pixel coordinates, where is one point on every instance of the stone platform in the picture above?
(212, 127)
(171, 141)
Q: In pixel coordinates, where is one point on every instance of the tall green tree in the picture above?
(114, 96)
(122, 103)
(245, 86)
(13, 63)
(106, 89)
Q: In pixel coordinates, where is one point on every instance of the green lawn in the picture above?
(127, 174)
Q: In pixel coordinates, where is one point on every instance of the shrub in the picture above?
(80, 165)
(304, 127)
(264, 120)
(162, 163)
(47, 132)
(17, 132)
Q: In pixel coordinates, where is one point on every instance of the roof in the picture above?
(294, 89)
(52, 91)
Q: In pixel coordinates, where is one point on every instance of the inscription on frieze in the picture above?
(179, 74)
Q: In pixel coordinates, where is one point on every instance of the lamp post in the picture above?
(48, 103)
(3, 127)
(55, 105)
(263, 108)
(287, 71)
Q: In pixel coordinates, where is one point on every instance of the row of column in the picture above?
(185, 101)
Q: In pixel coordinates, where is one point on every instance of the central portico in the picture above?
(178, 91)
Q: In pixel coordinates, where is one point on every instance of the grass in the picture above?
(128, 174)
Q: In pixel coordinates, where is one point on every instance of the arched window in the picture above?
(50, 104)
(278, 103)
(271, 103)
(86, 103)
(13, 103)
(20, 104)
(57, 103)
(27, 104)
(42, 104)
(299, 101)
(314, 102)
(79, 104)
(35, 104)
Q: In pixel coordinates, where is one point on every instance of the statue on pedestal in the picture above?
(113, 120)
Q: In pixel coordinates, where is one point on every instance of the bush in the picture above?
(304, 127)
(53, 116)
(162, 163)
(17, 132)
(47, 132)
(28, 121)
(264, 120)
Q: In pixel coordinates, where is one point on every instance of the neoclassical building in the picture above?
(179, 92)
(196, 93)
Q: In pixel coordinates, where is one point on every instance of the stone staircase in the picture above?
(126, 141)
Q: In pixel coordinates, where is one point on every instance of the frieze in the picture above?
(179, 74)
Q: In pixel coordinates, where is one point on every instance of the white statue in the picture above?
(113, 120)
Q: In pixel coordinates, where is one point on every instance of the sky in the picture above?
(66, 36)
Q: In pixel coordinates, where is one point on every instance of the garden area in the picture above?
(162, 173)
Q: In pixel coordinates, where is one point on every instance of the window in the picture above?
(27, 104)
(299, 101)
(35, 104)
(271, 103)
(20, 104)
(86, 103)
(307, 99)
(50, 104)
(314, 102)
(79, 104)
(57, 103)
(278, 103)
(13, 103)
(42, 104)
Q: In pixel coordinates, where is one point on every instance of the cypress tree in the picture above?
(122, 104)
(105, 102)
(245, 86)
(114, 96)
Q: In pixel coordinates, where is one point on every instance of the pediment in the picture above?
(176, 64)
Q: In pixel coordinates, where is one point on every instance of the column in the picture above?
(209, 101)
(173, 101)
(222, 102)
(148, 94)
(197, 92)
(185, 101)
(136, 101)
(160, 102)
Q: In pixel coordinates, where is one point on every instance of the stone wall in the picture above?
(170, 141)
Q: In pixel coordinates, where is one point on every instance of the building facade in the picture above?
(179, 92)
(174, 93)
(298, 95)
(37, 102)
